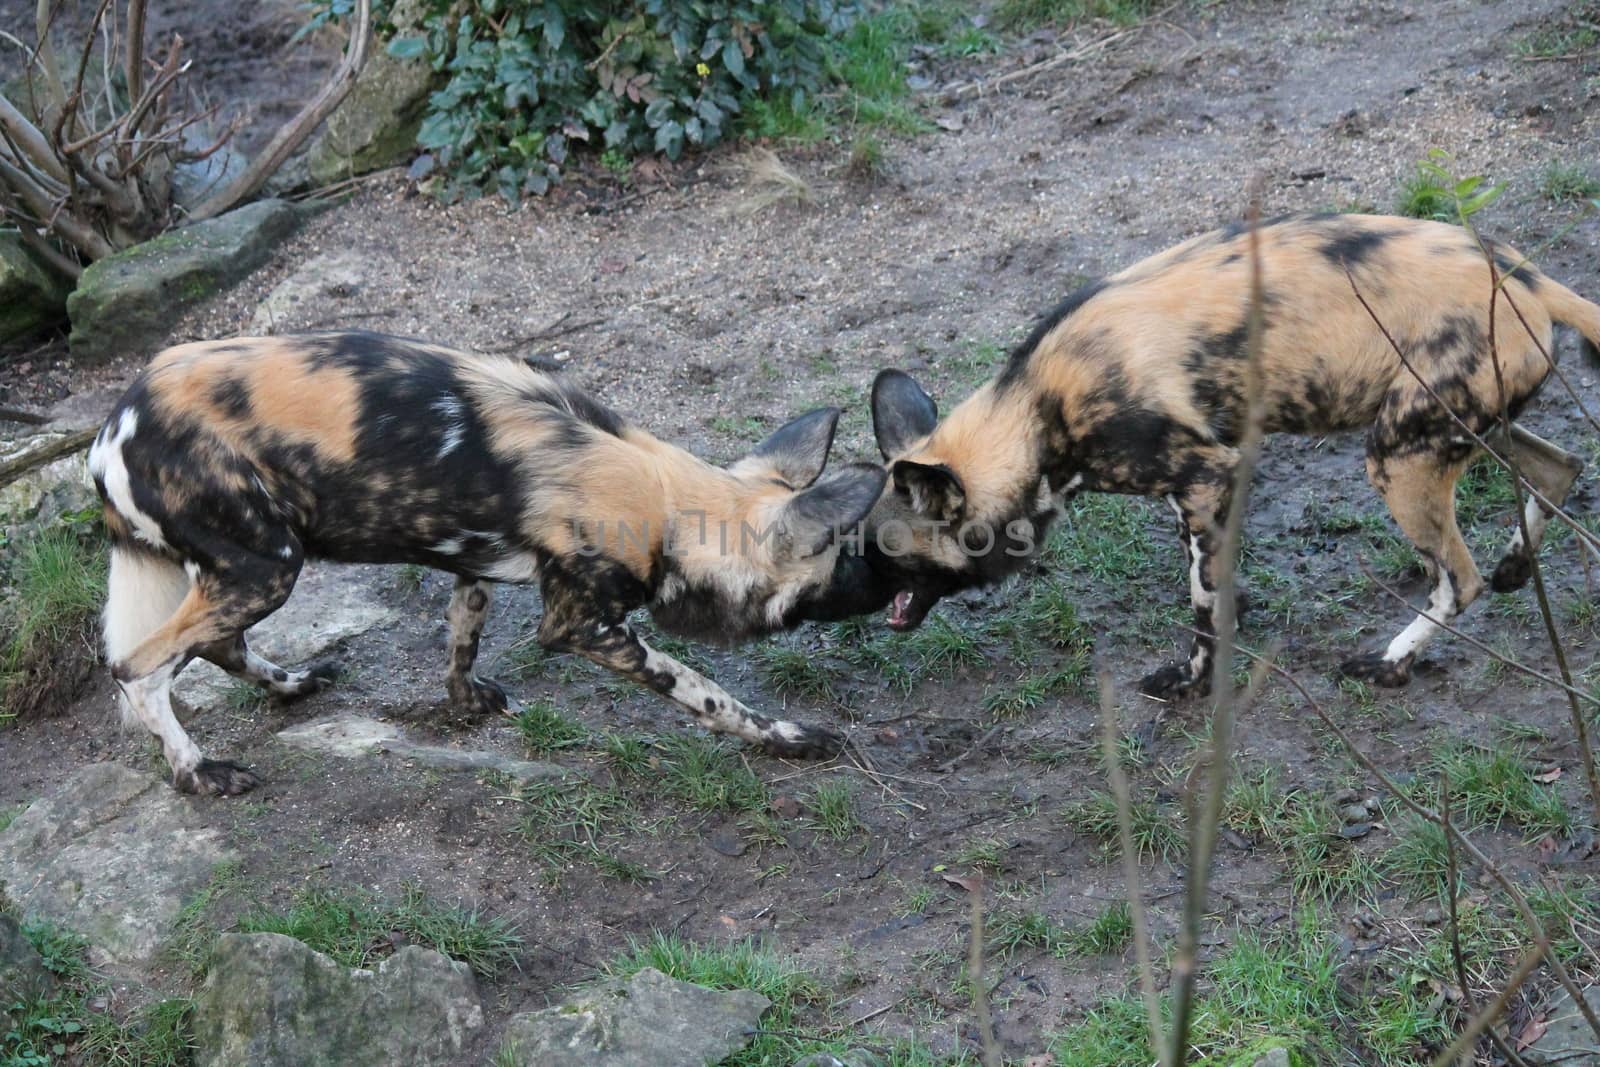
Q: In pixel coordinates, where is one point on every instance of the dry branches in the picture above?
(83, 175)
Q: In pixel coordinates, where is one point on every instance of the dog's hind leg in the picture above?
(1419, 487)
(237, 658)
(1552, 471)
(221, 603)
(1202, 508)
(469, 607)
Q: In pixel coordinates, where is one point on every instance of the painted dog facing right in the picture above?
(227, 464)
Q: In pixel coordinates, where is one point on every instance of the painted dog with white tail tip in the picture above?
(228, 464)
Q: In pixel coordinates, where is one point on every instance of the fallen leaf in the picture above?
(973, 884)
(953, 123)
(786, 806)
(728, 921)
(1546, 777)
(1532, 1032)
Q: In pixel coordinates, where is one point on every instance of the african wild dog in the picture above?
(1135, 384)
(227, 464)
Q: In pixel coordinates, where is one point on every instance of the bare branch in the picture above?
(133, 64)
(30, 141)
(80, 236)
(55, 90)
(294, 132)
(980, 991)
(1203, 830)
(1130, 856)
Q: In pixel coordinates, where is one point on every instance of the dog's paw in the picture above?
(1174, 682)
(1373, 668)
(216, 778)
(1512, 573)
(478, 698)
(793, 741)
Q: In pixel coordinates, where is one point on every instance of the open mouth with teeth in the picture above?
(909, 608)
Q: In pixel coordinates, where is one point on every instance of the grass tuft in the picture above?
(1157, 831)
(545, 730)
(53, 589)
(1563, 182)
(1025, 16)
(833, 810)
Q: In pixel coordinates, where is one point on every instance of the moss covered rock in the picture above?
(31, 297)
(126, 303)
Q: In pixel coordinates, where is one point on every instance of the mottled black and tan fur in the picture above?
(1135, 384)
(228, 464)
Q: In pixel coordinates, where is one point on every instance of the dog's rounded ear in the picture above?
(933, 489)
(902, 413)
(798, 450)
(816, 518)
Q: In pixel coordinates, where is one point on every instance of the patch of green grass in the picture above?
(627, 753)
(1265, 986)
(709, 775)
(833, 810)
(566, 822)
(545, 729)
(742, 427)
(974, 362)
(1491, 788)
(1256, 803)
(353, 927)
(1567, 181)
(1569, 36)
(797, 672)
(916, 902)
(60, 950)
(1157, 830)
(1032, 690)
(158, 1036)
(194, 935)
(1025, 16)
(1109, 932)
(1419, 856)
(1012, 929)
(941, 650)
(53, 588)
(1422, 197)
(9, 816)
(409, 577)
(525, 659)
(242, 696)
(681, 649)
(1484, 492)
(981, 854)
(1107, 538)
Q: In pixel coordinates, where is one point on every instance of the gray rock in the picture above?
(22, 973)
(31, 296)
(1278, 1057)
(376, 125)
(856, 1057)
(195, 180)
(648, 1021)
(272, 1001)
(45, 493)
(352, 736)
(113, 854)
(1568, 1040)
(307, 293)
(329, 604)
(127, 302)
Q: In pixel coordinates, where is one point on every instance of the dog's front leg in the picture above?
(617, 647)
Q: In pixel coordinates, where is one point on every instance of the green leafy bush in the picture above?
(526, 81)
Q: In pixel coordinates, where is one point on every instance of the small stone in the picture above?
(1354, 812)
(786, 807)
(726, 842)
(1566, 1031)
(1356, 830)
(1432, 916)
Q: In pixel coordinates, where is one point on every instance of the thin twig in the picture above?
(1461, 1047)
(1451, 890)
(1083, 51)
(16, 467)
(980, 991)
(27, 418)
(1130, 857)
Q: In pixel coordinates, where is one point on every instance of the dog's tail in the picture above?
(143, 590)
(1570, 309)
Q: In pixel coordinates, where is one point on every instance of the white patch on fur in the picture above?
(1441, 606)
(142, 592)
(455, 426)
(671, 588)
(1198, 593)
(1537, 519)
(450, 546)
(518, 568)
(106, 463)
(287, 552)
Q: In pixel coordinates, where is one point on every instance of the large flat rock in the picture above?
(355, 736)
(113, 854)
(650, 1020)
(272, 1001)
(125, 304)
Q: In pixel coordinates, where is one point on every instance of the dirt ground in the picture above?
(709, 327)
